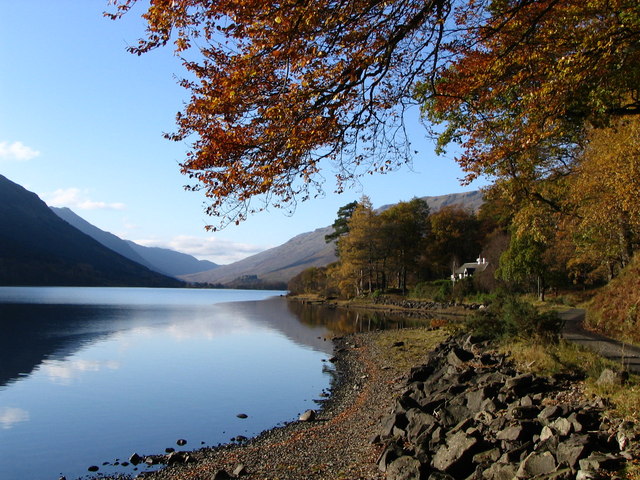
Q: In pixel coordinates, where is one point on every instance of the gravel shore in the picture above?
(336, 445)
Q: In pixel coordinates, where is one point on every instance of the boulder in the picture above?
(404, 468)
(308, 416)
(536, 464)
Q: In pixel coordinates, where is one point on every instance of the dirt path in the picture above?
(620, 352)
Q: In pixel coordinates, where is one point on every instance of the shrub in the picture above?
(510, 318)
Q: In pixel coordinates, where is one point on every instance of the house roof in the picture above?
(472, 267)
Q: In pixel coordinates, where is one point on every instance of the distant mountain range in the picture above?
(161, 260)
(39, 248)
(54, 246)
(273, 268)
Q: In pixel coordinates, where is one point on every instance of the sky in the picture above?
(81, 124)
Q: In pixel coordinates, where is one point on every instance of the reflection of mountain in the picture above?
(33, 333)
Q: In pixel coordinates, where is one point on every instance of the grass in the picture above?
(416, 342)
(565, 357)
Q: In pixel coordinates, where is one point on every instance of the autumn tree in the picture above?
(359, 251)
(453, 240)
(604, 195)
(403, 232)
(525, 81)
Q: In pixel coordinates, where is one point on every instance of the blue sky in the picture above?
(81, 123)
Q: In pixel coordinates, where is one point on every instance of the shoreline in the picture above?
(336, 444)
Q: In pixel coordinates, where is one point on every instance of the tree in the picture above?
(341, 223)
(359, 251)
(527, 80)
(404, 230)
(278, 88)
(453, 240)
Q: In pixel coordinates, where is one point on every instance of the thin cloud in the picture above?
(212, 249)
(75, 198)
(17, 151)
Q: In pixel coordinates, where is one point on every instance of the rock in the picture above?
(500, 471)
(512, 433)
(181, 442)
(135, 459)
(221, 475)
(562, 426)
(242, 415)
(404, 468)
(388, 455)
(240, 470)
(458, 356)
(455, 454)
(93, 468)
(611, 377)
(308, 416)
(600, 461)
(536, 464)
(488, 456)
(570, 451)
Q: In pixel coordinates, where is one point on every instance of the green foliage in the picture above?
(510, 318)
(436, 290)
(341, 223)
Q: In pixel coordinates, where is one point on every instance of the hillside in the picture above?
(273, 266)
(278, 265)
(161, 260)
(39, 248)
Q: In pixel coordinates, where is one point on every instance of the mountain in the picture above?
(39, 248)
(468, 200)
(276, 266)
(273, 267)
(161, 260)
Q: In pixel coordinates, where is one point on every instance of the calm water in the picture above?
(91, 375)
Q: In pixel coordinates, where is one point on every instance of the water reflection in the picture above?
(9, 416)
(341, 321)
(133, 370)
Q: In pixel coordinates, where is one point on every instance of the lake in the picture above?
(89, 376)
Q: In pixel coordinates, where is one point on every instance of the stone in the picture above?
(308, 416)
(536, 464)
(598, 461)
(488, 456)
(562, 426)
(135, 459)
(440, 476)
(519, 384)
(181, 442)
(93, 468)
(512, 433)
(500, 471)
(388, 455)
(570, 451)
(404, 468)
(455, 453)
(611, 377)
(242, 415)
(221, 475)
(546, 434)
(458, 356)
(549, 413)
(240, 470)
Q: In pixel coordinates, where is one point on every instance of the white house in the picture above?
(468, 269)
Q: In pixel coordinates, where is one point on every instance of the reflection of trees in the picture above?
(343, 321)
